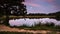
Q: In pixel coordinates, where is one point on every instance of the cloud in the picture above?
(44, 6)
(39, 0)
(55, 3)
(49, 0)
(31, 4)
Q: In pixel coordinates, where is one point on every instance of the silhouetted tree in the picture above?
(14, 7)
(17, 8)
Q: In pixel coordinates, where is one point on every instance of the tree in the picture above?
(17, 8)
(14, 7)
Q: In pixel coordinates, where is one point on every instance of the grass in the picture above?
(40, 27)
(52, 32)
(53, 29)
(15, 33)
(16, 17)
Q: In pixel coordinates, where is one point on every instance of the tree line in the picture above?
(42, 14)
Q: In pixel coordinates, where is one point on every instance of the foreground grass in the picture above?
(15, 33)
(41, 27)
(52, 32)
(29, 31)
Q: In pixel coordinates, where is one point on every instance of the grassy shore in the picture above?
(16, 17)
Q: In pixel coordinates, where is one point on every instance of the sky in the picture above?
(42, 6)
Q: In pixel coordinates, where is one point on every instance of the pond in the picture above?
(30, 22)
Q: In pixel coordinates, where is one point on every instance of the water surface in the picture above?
(30, 22)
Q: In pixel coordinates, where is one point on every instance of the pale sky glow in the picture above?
(42, 6)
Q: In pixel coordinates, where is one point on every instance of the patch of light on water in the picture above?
(30, 22)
